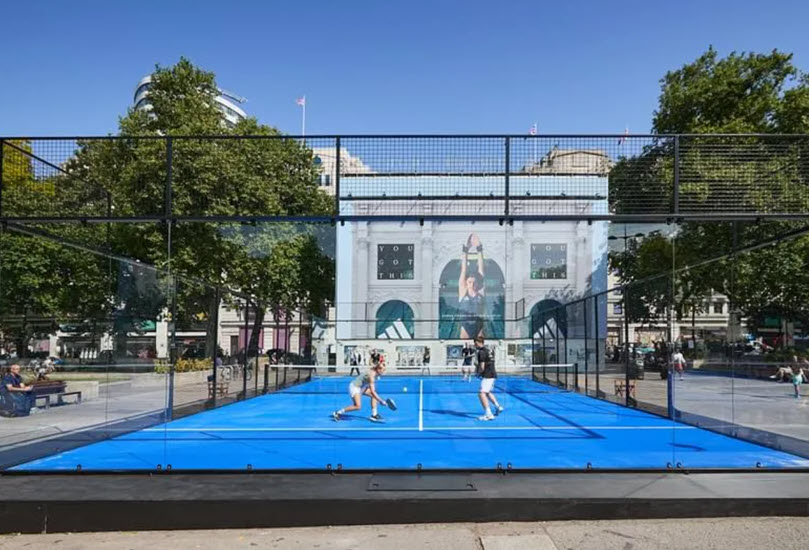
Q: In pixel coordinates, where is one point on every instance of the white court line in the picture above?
(432, 429)
(421, 405)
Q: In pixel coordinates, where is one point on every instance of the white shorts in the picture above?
(354, 390)
(487, 385)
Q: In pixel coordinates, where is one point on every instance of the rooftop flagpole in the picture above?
(302, 102)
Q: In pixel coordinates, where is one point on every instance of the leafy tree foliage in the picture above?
(741, 93)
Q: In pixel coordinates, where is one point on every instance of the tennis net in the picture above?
(439, 379)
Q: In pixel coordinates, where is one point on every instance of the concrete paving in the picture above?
(693, 534)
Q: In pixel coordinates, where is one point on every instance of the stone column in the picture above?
(362, 270)
(428, 308)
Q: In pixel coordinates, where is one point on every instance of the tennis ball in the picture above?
(404, 389)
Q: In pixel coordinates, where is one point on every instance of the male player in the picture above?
(468, 355)
(487, 373)
(365, 384)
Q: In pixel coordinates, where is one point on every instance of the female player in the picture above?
(471, 291)
(365, 384)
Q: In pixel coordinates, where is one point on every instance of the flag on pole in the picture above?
(622, 139)
(533, 130)
(301, 101)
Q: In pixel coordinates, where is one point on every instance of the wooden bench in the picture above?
(221, 389)
(620, 388)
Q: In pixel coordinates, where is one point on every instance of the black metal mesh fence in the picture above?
(584, 177)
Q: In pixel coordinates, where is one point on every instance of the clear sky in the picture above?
(378, 66)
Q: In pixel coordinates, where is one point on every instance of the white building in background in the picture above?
(711, 321)
(227, 102)
(326, 159)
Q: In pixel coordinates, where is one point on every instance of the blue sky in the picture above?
(70, 68)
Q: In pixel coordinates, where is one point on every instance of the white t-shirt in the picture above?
(678, 358)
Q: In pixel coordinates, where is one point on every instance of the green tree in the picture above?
(744, 93)
(269, 175)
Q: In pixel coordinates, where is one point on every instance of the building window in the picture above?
(719, 307)
(325, 180)
(618, 309)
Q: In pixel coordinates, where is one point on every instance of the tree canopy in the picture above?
(740, 93)
(280, 266)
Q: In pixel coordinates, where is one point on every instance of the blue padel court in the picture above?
(436, 426)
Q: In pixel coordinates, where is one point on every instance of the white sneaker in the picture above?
(486, 417)
(498, 410)
(772, 377)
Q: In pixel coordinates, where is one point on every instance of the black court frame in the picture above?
(674, 211)
(674, 149)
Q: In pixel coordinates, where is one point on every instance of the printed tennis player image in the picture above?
(444, 283)
(473, 310)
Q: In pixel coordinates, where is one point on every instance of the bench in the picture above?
(46, 389)
(620, 388)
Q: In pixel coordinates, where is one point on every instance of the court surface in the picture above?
(436, 426)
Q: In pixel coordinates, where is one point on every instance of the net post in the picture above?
(266, 378)
(576, 373)
(566, 384)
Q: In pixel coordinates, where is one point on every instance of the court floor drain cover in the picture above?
(420, 482)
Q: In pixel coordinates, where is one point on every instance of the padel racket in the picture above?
(390, 403)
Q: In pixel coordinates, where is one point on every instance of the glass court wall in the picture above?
(209, 304)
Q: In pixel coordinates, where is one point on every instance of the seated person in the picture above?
(785, 373)
(18, 397)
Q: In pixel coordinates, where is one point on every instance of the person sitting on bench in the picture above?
(785, 373)
(19, 397)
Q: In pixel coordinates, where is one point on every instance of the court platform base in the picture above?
(107, 502)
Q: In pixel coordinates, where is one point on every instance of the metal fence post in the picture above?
(507, 174)
(586, 338)
(168, 192)
(676, 174)
(595, 319)
(172, 280)
(246, 346)
(626, 345)
(337, 178)
(218, 299)
(598, 356)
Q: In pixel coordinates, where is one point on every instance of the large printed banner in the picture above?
(458, 280)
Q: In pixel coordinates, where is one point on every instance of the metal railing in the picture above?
(502, 178)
